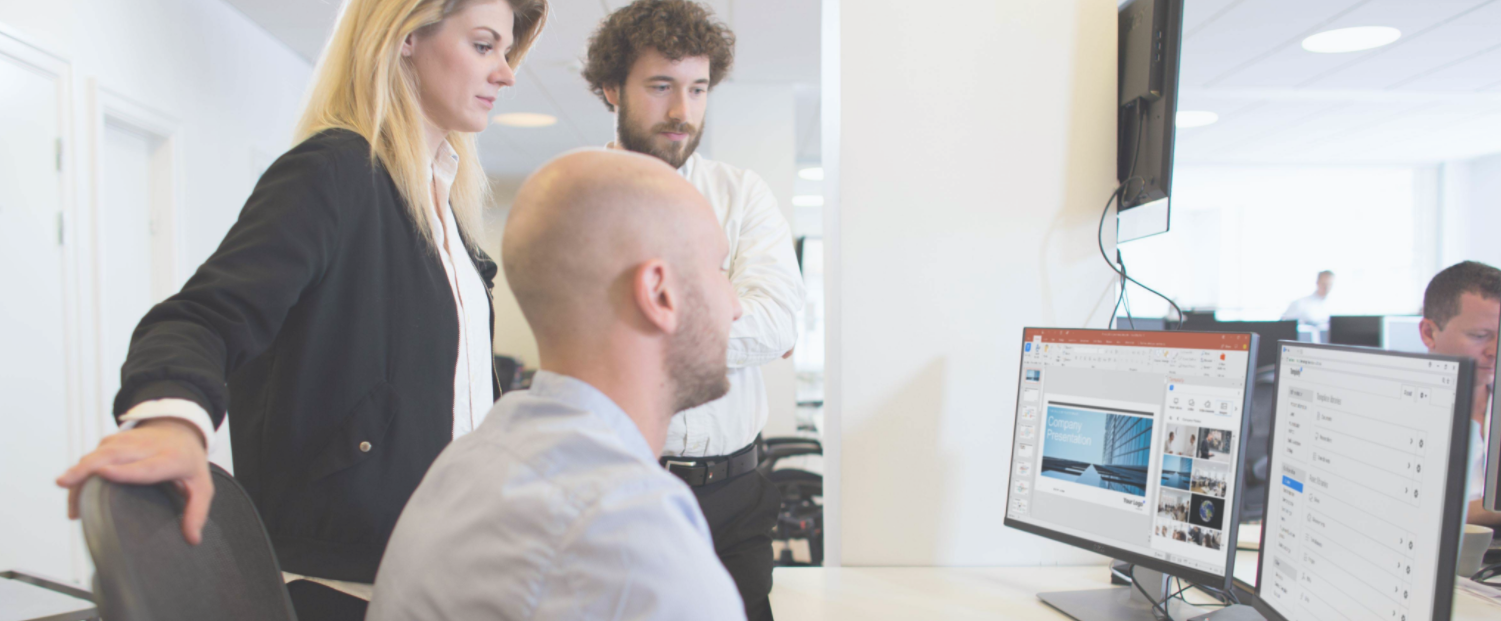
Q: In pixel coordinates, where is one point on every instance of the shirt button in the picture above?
(364, 447)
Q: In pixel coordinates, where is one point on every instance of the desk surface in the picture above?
(905, 593)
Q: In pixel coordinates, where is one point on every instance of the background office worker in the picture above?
(653, 63)
(1461, 314)
(616, 262)
(346, 310)
(1311, 310)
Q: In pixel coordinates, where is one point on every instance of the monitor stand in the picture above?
(1120, 603)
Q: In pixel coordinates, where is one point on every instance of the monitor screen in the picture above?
(1128, 443)
(1363, 515)
(1363, 330)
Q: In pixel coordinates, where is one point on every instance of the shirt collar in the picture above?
(446, 165)
(579, 394)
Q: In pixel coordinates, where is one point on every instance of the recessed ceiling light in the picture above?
(525, 119)
(1195, 118)
(807, 200)
(1351, 39)
(811, 174)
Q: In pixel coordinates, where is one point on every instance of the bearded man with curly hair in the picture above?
(653, 63)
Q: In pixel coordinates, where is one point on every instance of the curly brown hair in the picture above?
(676, 28)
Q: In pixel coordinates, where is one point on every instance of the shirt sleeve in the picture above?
(182, 409)
(641, 555)
(765, 275)
(234, 305)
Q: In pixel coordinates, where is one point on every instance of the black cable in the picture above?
(1119, 193)
(1124, 287)
(1158, 606)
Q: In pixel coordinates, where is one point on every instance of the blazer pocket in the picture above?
(361, 436)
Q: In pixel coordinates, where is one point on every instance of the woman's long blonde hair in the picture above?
(363, 84)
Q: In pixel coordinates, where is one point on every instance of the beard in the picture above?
(645, 141)
(696, 357)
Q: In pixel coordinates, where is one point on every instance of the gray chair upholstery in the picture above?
(146, 570)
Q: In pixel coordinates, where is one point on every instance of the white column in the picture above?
(977, 148)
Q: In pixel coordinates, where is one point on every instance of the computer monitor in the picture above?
(1156, 324)
(1403, 333)
(1363, 330)
(1269, 331)
(1129, 444)
(1150, 34)
(1368, 458)
(1492, 500)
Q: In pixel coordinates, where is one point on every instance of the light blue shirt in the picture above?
(554, 508)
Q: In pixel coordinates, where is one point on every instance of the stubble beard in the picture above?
(644, 141)
(696, 364)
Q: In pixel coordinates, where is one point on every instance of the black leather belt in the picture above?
(700, 471)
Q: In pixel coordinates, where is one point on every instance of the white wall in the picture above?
(1470, 211)
(233, 91)
(978, 148)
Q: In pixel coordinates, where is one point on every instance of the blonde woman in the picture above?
(345, 319)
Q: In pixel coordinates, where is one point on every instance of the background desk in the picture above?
(906, 593)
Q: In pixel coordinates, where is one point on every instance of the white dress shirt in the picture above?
(763, 269)
(1309, 310)
(555, 508)
(472, 390)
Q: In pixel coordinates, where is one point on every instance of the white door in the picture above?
(34, 429)
(125, 248)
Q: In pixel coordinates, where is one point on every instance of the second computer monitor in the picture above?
(1130, 443)
(1368, 469)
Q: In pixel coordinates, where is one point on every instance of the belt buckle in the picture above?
(685, 464)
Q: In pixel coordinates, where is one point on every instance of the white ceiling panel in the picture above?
(1479, 72)
(1290, 65)
(1251, 30)
(1428, 97)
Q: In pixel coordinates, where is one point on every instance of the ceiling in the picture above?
(777, 42)
(1433, 95)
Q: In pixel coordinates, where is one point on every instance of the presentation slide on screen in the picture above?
(1096, 454)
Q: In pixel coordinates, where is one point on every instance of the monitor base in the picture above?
(1113, 604)
(1120, 603)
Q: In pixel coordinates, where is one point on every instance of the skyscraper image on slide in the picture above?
(1097, 448)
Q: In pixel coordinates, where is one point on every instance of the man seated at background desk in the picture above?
(1310, 310)
(555, 507)
(1461, 312)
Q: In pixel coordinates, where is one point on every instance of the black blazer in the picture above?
(334, 325)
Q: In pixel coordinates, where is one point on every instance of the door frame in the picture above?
(108, 107)
(27, 54)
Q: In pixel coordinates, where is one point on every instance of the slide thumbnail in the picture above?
(1180, 440)
(1177, 472)
(1216, 444)
(1207, 511)
(1209, 477)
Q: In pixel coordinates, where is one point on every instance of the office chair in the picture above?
(801, 514)
(144, 569)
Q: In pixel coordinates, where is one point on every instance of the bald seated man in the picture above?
(556, 508)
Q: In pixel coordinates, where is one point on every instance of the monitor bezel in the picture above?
(1454, 492)
(1197, 576)
(1491, 500)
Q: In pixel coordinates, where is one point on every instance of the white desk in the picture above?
(991, 594)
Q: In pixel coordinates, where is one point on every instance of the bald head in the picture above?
(584, 222)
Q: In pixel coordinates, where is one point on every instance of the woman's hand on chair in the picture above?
(156, 450)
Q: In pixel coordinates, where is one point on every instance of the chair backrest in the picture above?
(146, 570)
